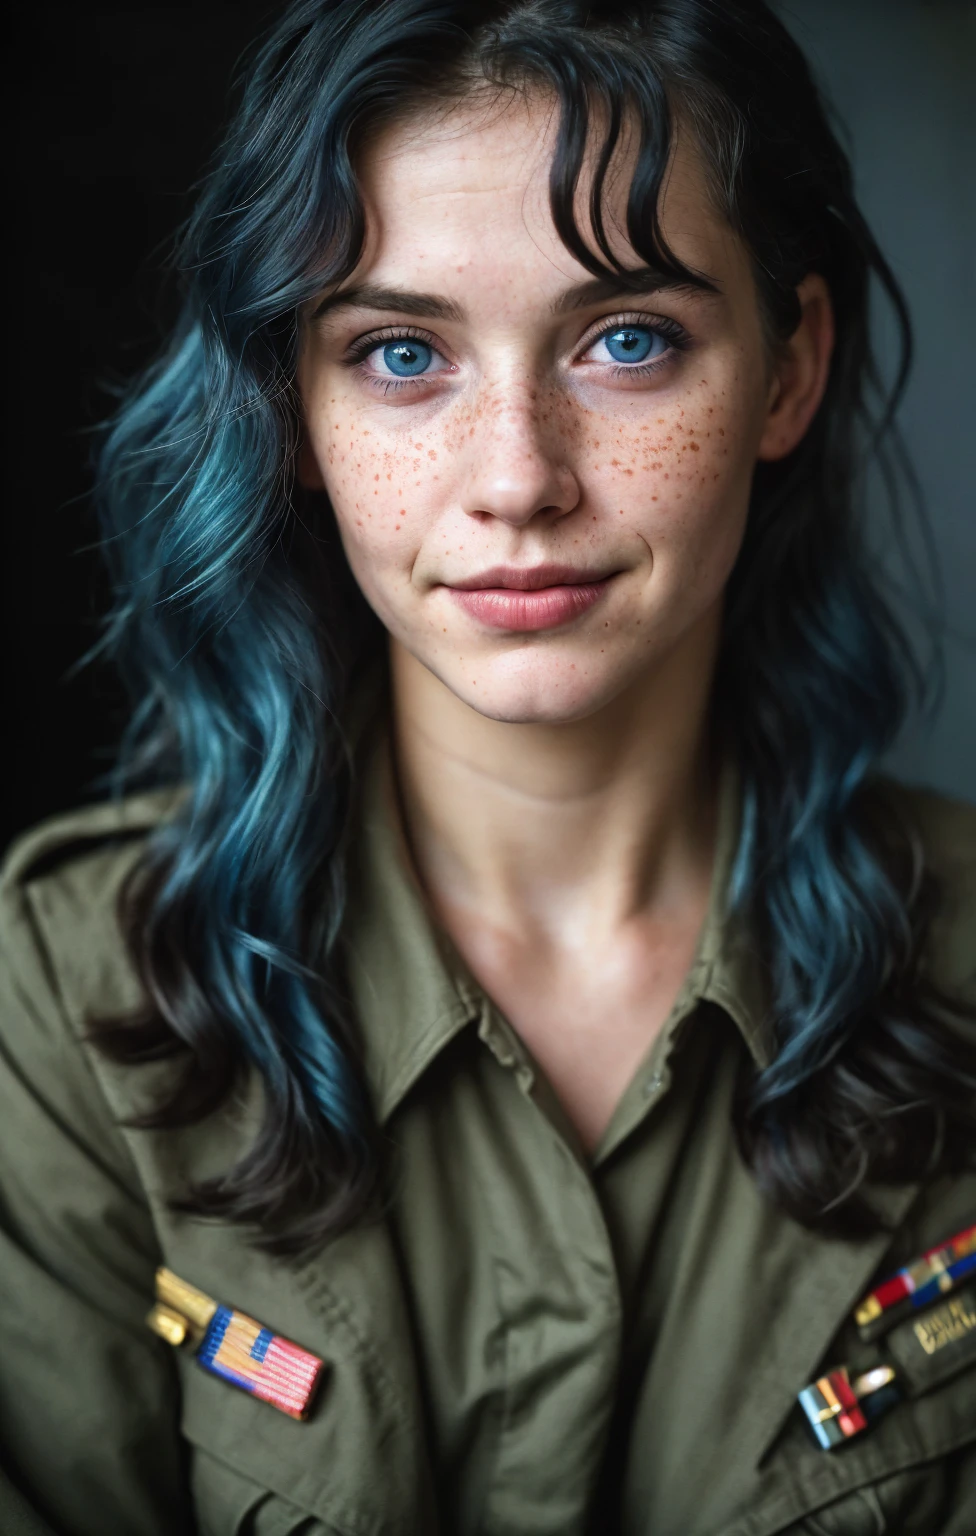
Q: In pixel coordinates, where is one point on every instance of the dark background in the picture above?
(116, 109)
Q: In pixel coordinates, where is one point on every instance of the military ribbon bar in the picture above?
(920, 1283)
(838, 1409)
(231, 1345)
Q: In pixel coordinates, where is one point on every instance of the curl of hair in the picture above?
(239, 631)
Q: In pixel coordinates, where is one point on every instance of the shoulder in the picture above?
(57, 847)
(943, 831)
(945, 825)
(63, 965)
(60, 885)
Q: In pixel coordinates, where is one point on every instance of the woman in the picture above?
(525, 998)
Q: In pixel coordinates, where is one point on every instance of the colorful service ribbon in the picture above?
(234, 1347)
(838, 1409)
(920, 1283)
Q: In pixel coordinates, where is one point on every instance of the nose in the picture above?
(515, 470)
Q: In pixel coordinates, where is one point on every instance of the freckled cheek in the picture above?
(686, 493)
(375, 490)
(675, 466)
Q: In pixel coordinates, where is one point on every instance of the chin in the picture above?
(534, 691)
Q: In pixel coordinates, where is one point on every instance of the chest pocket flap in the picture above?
(881, 1478)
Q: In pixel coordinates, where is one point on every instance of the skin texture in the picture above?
(556, 788)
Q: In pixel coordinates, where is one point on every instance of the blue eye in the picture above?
(407, 358)
(632, 343)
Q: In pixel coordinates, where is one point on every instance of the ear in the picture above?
(800, 372)
(307, 471)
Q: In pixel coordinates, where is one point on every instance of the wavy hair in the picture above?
(240, 633)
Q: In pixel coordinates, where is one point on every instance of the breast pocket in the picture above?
(913, 1471)
(356, 1466)
(935, 1500)
(228, 1504)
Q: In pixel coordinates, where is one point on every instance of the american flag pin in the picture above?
(233, 1346)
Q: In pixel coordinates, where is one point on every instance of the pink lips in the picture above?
(542, 597)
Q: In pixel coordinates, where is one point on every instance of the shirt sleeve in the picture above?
(89, 1415)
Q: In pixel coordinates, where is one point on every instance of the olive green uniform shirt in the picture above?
(530, 1342)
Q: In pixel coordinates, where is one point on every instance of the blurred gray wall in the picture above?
(902, 76)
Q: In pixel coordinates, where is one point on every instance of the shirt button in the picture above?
(653, 1084)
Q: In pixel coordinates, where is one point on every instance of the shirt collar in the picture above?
(728, 961)
(410, 999)
(413, 994)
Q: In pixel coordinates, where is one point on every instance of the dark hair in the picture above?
(234, 626)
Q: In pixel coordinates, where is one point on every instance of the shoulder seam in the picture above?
(103, 822)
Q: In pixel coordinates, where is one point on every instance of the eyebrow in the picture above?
(596, 290)
(426, 306)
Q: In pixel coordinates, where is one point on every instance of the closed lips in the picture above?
(543, 597)
(529, 578)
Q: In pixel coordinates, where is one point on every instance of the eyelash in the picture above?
(669, 330)
(360, 350)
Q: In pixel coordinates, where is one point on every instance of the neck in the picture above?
(560, 831)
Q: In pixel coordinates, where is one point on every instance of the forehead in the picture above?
(469, 184)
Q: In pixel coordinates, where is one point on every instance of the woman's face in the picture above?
(541, 485)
